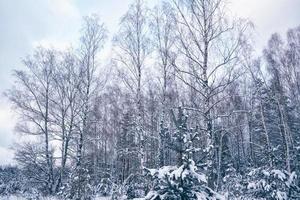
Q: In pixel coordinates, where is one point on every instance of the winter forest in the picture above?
(185, 109)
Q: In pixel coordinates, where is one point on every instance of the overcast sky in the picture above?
(25, 24)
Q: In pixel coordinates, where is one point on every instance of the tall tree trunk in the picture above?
(48, 154)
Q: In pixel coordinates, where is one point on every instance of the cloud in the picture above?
(7, 123)
(268, 16)
(64, 8)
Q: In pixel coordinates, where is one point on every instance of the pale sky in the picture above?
(25, 24)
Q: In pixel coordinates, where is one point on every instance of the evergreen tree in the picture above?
(184, 181)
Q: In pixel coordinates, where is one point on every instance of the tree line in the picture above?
(183, 88)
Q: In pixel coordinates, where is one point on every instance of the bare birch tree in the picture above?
(92, 40)
(132, 49)
(66, 106)
(32, 98)
(163, 37)
(209, 45)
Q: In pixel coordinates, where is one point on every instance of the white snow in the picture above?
(162, 172)
(23, 198)
(44, 198)
(281, 195)
(279, 174)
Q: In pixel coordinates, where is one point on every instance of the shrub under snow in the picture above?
(272, 183)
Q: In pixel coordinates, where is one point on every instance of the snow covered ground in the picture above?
(45, 198)
(22, 198)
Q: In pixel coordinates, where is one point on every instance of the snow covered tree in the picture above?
(183, 181)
